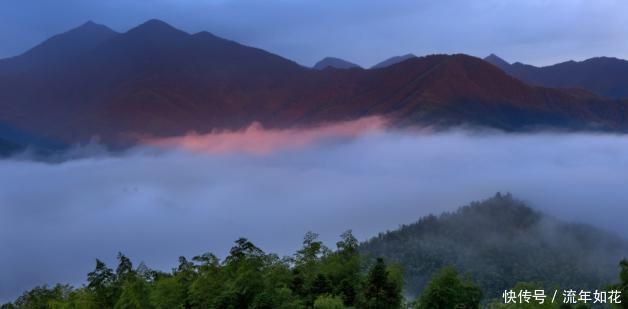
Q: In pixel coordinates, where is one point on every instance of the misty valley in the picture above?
(157, 202)
(147, 165)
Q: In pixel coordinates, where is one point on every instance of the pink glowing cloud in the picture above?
(257, 140)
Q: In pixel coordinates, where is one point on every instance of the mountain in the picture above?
(499, 242)
(602, 75)
(60, 48)
(336, 63)
(152, 78)
(14, 140)
(7, 147)
(393, 60)
(498, 62)
(157, 80)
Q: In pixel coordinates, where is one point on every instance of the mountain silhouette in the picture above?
(602, 75)
(497, 61)
(337, 63)
(60, 48)
(157, 80)
(485, 239)
(393, 60)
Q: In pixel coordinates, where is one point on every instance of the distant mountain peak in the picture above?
(393, 60)
(156, 26)
(497, 61)
(607, 76)
(336, 63)
(154, 22)
(89, 26)
(205, 34)
(67, 44)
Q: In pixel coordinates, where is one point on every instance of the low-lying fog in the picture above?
(155, 203)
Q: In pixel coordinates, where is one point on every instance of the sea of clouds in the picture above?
(185, 197)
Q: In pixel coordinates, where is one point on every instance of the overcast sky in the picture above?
(363, 31)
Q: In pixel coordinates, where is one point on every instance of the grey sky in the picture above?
(363, 31)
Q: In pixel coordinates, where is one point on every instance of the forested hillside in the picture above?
(464, 259)
(499, 242)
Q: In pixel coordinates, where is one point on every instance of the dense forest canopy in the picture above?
(247, 278)
(464, 259)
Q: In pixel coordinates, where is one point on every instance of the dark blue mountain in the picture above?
(393, 60)
(60, 48)
(336, 63)
(605, 76)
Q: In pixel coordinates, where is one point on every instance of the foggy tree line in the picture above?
(500, 242)
(314, 277)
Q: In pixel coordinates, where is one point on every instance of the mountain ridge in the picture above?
(392, 61)
(336, 63)
(485, 239)
(61, 47)
(157, 80)
(606, 76)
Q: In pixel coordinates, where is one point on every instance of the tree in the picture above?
(135, 294)
(321, 285)
(248, 278)
(43, 297)
(168, 293)
(348, 245)
(78, 299)
(242, 250)
(382, 290)
(185, 274)
(100, 282)
(307, 280)
(344, 268)
(328, 302)
(622, 286)
(240, 277)
(311, 251)
(447, 290)
(124, 269)
(206, 289)
(206, 261)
